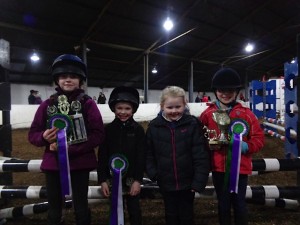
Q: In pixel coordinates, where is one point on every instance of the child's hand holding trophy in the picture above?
(223, 121)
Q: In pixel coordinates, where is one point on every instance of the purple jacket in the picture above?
(82, 155)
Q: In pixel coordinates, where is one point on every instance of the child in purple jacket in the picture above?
(72, 111)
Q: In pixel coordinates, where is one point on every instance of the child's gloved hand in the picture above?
(245, 147)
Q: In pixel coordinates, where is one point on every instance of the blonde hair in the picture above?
(172, 91)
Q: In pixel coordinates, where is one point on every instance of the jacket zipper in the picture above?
(174, 157)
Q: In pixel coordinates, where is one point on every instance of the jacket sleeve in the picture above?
(203, 118)
(201, 160)
(94, 128)
(256, 137)
(38, 126)
(103, 170)
(140, 154)
(151, 166)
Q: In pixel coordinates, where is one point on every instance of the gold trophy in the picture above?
(223, 121)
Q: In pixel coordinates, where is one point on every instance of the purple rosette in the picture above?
(60, 121)
(64, 168)
(64, 123)
(238, 129)
(118, 166)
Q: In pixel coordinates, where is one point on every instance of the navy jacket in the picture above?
(177, 156)
(127, 139)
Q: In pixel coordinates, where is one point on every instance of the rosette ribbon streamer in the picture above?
(64, 168)
(235, 162)
(64, 124)
(238, 128)
(118, 166)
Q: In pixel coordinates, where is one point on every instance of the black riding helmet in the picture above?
(226, 78)
(68, 64)
(124, 94)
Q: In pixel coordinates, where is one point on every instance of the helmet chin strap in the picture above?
(230, 104)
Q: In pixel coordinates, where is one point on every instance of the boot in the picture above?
(83, 219)
(225, 219)
(241, 220)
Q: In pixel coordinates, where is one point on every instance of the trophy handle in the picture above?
(211, 140)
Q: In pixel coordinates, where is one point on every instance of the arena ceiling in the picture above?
(119, 33)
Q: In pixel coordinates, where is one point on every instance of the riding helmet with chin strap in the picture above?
(124, 94)
(226, 78)
(68, 64)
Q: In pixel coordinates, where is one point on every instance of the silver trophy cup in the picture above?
(223, 121)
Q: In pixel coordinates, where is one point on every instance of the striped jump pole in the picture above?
(274, 134)
(37, 208)
(293, 133)
(30, 209)
(267, 164)
(264, 195)
(33, 165)
(38, 192)
(253, 192)
(277, 202)
(19, 165)
(272, 164)
(261, 192)
(275, 121)
(264, 191)
(272, 192)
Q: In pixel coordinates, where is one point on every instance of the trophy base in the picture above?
(72, 142)
(218, 142)
(213, 142)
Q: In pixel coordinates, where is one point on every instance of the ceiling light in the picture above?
(154, 70)
(293, 60)
(249, 47)
(34, 57)
(168, 24)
